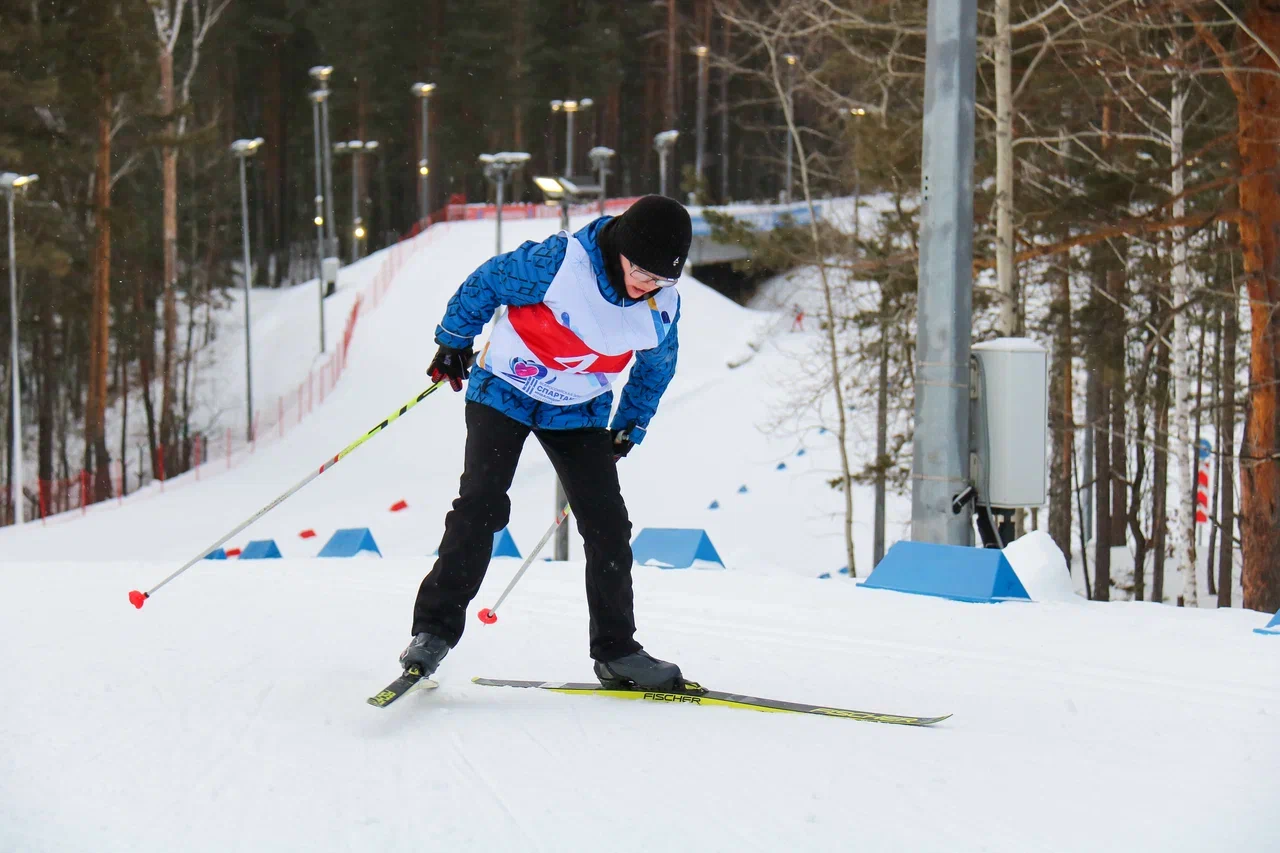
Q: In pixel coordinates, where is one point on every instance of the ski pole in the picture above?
(489, 615)
(138, 598)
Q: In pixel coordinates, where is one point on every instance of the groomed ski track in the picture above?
(229, 714)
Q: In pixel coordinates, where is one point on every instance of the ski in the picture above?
(411, 678)
(695, 694)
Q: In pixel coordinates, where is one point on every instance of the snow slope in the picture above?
(228, 714)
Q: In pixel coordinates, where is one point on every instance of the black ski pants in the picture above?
(583, 458)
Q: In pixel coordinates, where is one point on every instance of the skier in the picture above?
(579, 308)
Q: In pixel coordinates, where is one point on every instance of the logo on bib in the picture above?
(525, 369)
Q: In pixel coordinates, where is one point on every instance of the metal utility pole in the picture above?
(244, 149)
(701, 52)
(600, 157)
(940, 456)
(10, 183)
(791, 60)
(356, 148)
(499, 168)
(663, 143)
(321, 74)
(423, 92)
(316, 98)
(569, 108)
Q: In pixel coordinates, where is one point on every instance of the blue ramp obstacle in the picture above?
(349, 542)
(217, 554)
(504, 545)
(261, 549)
(948, 571)
(673, 548)
(1273, 627)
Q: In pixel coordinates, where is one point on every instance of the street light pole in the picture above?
(356, 148)
(600, 157)
(569, 108)
(423, 91)
(11, 183)
(321, 74)
(791, 60)
(316, 98)
(499, 168)
(244, 149)
(701, 52)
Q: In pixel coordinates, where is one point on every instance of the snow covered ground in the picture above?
(228, 714)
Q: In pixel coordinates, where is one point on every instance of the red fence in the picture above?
(205, 454)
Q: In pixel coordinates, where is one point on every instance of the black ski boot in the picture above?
(639, 670)
(424, 651)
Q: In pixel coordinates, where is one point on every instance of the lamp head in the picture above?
(321, 73)
(701, 51)
(665, 140)
(423, 90)
(14, 181)
(600, 156)
(246, 147)
(319, 96)
(791, 58)
(556, 105)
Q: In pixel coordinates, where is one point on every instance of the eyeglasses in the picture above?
(657, 281)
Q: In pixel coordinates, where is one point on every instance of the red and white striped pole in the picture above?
(1204, 450)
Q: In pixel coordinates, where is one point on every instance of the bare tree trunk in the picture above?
(1258, 120)
(882, 431)
(99, 322)
(1006, 272)
(1102, 487)
(1182, 541)
(48, 391)
(519, 14)
(170, 218)
(1227, 439)
(1212, 510)
(832, 342)
(1061, 416)
(1160, 476)
(669, 100)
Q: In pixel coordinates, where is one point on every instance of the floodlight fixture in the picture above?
(665, 140)
(246, 147)
(13, 181)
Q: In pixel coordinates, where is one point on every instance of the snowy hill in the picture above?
(229, 713)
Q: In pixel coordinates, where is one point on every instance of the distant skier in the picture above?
(579, 308)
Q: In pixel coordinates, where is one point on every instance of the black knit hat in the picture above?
(654, 234)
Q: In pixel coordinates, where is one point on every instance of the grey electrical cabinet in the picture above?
(1011, 423)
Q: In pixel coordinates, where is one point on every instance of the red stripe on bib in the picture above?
(556, 346)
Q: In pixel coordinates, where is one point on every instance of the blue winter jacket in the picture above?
(522, 277)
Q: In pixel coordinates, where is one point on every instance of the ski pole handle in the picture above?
(137, 598)
(489, 615)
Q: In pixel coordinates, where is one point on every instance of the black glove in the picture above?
(452, 364)
(622, 442)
